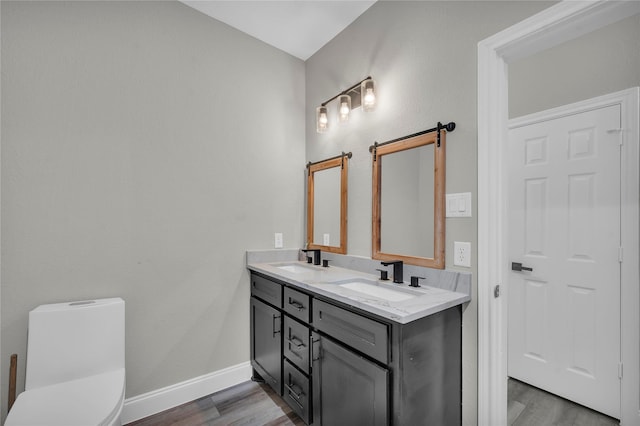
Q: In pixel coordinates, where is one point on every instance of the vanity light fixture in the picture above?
(363, 93)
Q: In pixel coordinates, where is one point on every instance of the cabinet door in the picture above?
(266, 343)
(347, 388)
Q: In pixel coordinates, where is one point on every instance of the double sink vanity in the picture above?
(343, 347)
(339, 343)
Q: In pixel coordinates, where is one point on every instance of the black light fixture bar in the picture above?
(346, 91)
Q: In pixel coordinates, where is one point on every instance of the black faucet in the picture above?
(397, 270)
(414, 281)
(316, 255)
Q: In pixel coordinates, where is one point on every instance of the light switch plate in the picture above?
(326, 239)
(278, 240)
(462, 254)
(459, 205)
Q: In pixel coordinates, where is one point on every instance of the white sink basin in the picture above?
(296, 268)
(379, 291)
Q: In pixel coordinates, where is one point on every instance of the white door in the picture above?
(564, 224)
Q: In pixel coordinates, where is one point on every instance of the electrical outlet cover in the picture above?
(462, 254)
(278, 240)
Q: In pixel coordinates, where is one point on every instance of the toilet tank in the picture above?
(72, 340)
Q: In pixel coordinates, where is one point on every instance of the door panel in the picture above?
(564, 223)
(266, 343)
(348, 389)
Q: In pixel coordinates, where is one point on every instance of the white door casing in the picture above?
(564, 224)
(557, 24)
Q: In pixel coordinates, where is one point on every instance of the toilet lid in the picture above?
(93, 400)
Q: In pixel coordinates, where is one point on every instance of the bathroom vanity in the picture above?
(341, 347)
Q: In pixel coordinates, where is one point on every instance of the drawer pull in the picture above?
(299, 306)
(315, 350)
(294, 389)
(296, 392)
(296, 342)
(275, 331)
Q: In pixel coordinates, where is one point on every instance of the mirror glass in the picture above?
(408, 200)
(327, 204)
(326, 208)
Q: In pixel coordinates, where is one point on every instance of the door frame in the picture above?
(557, 24)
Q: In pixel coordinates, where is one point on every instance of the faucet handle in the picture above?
(384, 274)
(414, 281)
(316, 255)
(325, 263)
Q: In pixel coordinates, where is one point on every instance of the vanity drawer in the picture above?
(296, 391)
(296, 343)
(297, 304)
(363, 334)
(267, 290)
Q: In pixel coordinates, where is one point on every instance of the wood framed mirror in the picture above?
(408, 213)
(327, 204)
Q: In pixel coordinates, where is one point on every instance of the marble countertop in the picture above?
(397, 302)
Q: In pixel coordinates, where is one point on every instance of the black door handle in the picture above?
(515, 266)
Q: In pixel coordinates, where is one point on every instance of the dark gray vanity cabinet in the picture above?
(266, 331)
(340, 365)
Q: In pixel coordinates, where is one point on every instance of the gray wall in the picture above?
(423, 57)
(145, 148)
(601, 62)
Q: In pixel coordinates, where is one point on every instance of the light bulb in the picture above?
(322, 120)
(369, 97)
(344, 109)
(368, 91)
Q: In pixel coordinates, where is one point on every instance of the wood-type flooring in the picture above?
(254, 404)
(530, 406)
(248, 403)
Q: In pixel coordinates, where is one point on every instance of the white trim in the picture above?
(159, 400)
(623, 97)
(630, 272)
(559, 23)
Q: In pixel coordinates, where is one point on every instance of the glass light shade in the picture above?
(322, 119)
(368, 93)
(344, 108)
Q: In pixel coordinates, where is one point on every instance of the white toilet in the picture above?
(75, 366)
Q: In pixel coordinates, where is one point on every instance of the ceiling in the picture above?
(299, 27)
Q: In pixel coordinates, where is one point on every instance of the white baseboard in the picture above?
(154, 402)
